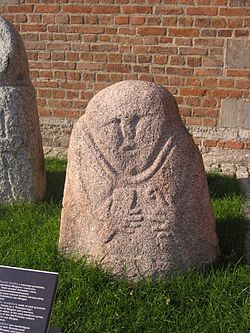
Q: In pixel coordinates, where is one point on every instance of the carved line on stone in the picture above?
(106, 166)
(143, 176)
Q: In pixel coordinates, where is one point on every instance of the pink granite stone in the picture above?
(136, 198)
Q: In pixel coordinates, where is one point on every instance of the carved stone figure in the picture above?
(136, 197)
(22, 175)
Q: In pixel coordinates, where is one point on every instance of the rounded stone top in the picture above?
(14, 68)
(130, 122)
(132, 98)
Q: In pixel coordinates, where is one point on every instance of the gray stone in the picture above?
(239, 3)
(136, 198)
(9, 2)
(22, 175)
(235, 113)
(237, 53)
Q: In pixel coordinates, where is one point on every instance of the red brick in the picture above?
(164, 10)
(177, 60)
(179, 71)
(193, 91)
(220, 93)
(194, 81)
(241, 33)
(140, 49)
(45, 8)
(122, 68)
(146, 77)
(72, 56)
(202, 22)
(218, 23)
(193, 121)
(102, 77)
(193, 101)
(184, 111)
(239, 12)
(209, 122)
(160, 59)
(126, 31)
(226, 83)
(103, 48)
(163, 80)
(183, 32)
(234, 144)
(91, 19)
(62, 19)
(235, 93)
(185, 21)
(76, 9)
(208, 33)
(243, 84)
(137, 20)
(100, 57)
(121, 20)
(206, 11)
(157, 70)
(210, 82)
(210, 62)
(208, 72)
(167, 50)
(193, 51)
(76, 19)
(194, 61)
(144, 58)
(237, 73)
(58, 93)
(105, 9)
(153, 20)
(209, 42)
(225, 33)
(184, 41)
(141, 69)
(169, 21)
(209, 101)
(33, 28)
(210, 143)
(151, 31)
(136, 9)
(19, 9)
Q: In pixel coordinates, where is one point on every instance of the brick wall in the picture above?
(77, 48)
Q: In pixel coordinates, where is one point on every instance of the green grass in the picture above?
(91, 300)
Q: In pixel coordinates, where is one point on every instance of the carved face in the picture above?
(129, 132)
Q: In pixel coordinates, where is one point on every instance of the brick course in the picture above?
(77, 48)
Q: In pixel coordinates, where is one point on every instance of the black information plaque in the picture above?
(26, 299)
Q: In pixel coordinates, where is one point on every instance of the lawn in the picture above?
(91, 300)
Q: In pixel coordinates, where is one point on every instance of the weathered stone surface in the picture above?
(136, 197)
(237, 53)
(239, 3)
(235, 113)
(22, 175)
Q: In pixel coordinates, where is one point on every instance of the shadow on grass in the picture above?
(228, 202)
(232, 238)
(223, 185)
(55, 179)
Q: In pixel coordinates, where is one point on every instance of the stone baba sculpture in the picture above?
(136, 198)
(22, 175)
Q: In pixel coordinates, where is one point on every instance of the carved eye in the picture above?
(135, 120)
(152, 194)
(116, 121)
